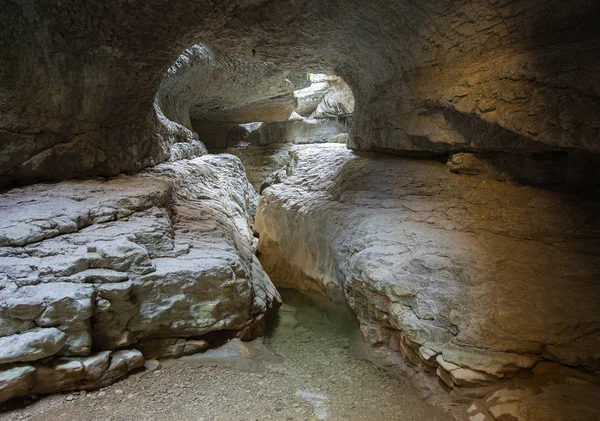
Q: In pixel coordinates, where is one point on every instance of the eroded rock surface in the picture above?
(471, 279)
(266, 165)
(90, 266)
(327, 96)
(206, 85)
(440, 76)
(300, 130)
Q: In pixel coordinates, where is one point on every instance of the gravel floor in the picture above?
(303, 371)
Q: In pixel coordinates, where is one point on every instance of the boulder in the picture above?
(31, 345)
(15, 381)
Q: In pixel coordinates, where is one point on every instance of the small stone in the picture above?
(152, 365)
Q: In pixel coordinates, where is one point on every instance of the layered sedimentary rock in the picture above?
(156, 261)
(78, 83)
(471, 279)
(206, 85)
(327, 96)
(300, 130)
(448, 75)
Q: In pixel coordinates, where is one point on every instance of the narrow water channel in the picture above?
(304, 369)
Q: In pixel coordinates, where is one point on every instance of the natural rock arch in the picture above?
(78, 81)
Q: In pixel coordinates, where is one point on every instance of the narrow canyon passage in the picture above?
(300, 210)
(307, 369)
(434, 264)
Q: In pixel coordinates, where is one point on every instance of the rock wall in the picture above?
(473, 280)
(158, 262)
(265, 164)
(327, 96)
(209, 86)
(78, 82)
(300, 130)
(447, 75)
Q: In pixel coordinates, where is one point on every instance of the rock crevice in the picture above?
(474, 280)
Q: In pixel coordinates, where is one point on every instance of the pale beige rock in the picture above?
(338, 101)
(139, 264)
(450, 76)
(462, 376)
(453, 261)
(478, 412)
(503, 396)
(499, 364)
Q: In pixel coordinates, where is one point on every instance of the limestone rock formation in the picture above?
(310, 97)
(266, 164)
(439, 76)
(471, 279)
(337, 102)
(481, 273)
(206, 85)
(300, 130)
(99, 265)
(326, 97)
(62, 374)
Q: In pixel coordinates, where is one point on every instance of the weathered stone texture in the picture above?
(477, 280)
(100, 265)
(77, 95)
(207, 85)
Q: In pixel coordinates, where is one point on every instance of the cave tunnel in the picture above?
(300, 210)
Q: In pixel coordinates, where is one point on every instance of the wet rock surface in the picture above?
(473, 280)
(90, 266)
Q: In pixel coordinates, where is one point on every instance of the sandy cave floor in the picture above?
(304, 370)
